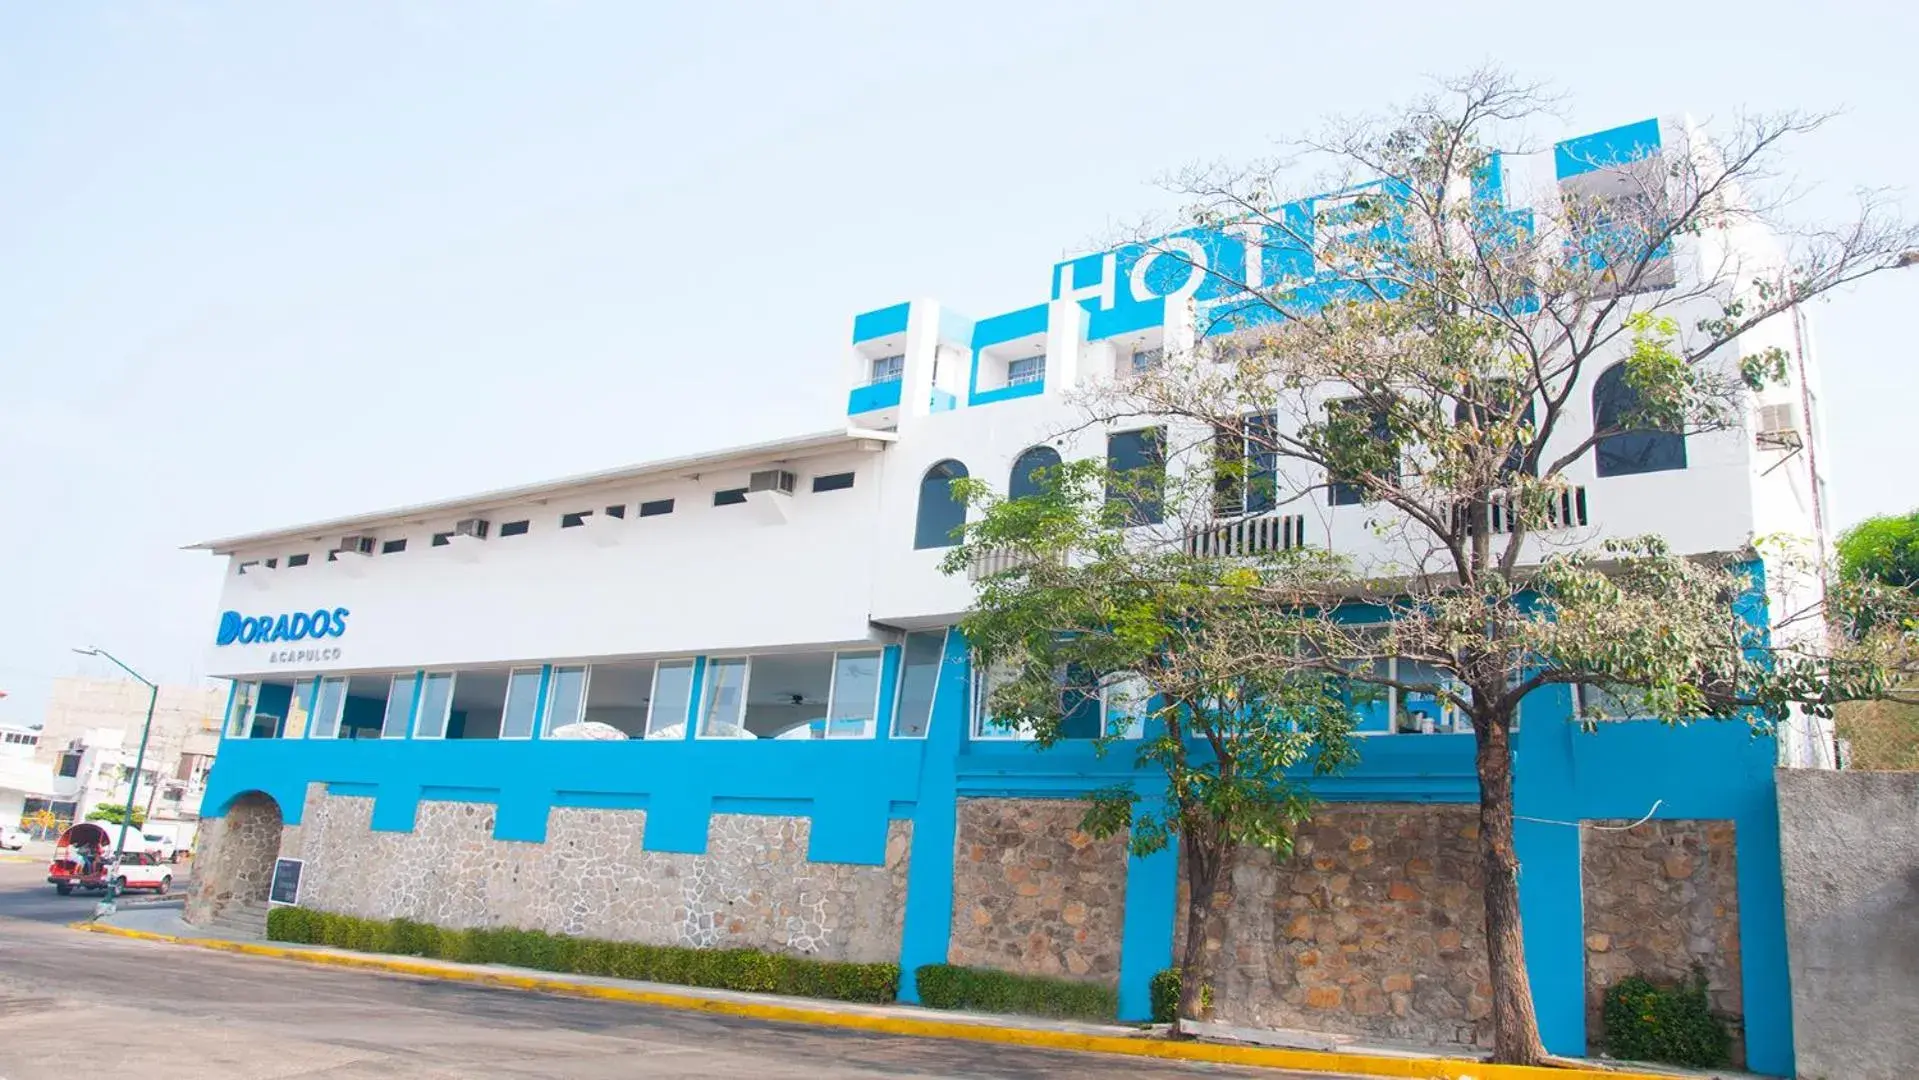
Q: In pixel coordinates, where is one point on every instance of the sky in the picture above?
(262, 264)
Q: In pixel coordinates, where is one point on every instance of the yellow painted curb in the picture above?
(1407, 1068)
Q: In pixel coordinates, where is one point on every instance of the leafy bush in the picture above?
(1165, 996)
(719, 969)
(1673, 1024)
(945, 986)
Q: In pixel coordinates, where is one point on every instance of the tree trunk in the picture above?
(1206, 864)
(1515, 1025)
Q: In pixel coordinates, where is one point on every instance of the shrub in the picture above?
(1165, 996)
(1672, 1024)
(945, 986)
(719, 969)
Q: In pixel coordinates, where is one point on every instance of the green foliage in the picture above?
(115, 813)
(1165, 996)
(1883, 549)
(1671, 1024)
(719, 969)
(945, 986)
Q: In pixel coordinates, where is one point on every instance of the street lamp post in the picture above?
(111, 903)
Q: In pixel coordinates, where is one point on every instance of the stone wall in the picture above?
(233, 858)
(1660, 899)
(1373, 927)
(1850, 846)
(1033, 894)
(754, 888)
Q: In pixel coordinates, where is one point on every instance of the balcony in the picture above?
(1549, 512)
(874, 397)
(1248, 537)
(997, 561)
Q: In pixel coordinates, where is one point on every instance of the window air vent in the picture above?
(1251, 536)
(778, 480)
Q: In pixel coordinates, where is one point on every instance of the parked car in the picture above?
(13, 839)
(160, 845)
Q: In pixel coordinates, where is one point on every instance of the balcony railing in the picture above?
(1563, 509)
(995, 561)
(1249, 536)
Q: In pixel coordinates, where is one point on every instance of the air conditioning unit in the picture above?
(776, 480)
(355, 545)
(470, 529)
(1779, 426)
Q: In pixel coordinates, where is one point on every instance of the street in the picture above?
(92, 1004)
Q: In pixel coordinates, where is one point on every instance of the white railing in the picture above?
(1249, 536)
(998, 561)
(1563, 509)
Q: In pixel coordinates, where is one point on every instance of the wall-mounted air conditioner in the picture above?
(467, 529)
(1778, 427)
(775, 480)
(355, 545)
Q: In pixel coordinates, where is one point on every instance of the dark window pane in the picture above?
(393, 547)
(297, 560)
(515, 528)
(1029, 471)
(1262, 465)
(941, 513)
(1348, 491)
(574, 520)
(834, 482)
(1629, 451)
(656, 507)
(442, 539)
(616, 511)
(729, 497)
(1480, 414)
(1136, 461)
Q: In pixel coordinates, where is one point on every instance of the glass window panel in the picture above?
(436, 700)
(1421, 711)
(522, 697)
(298, 709)
(1030, 471)
(1136, 461)
(856, 692)
(725, 699)
(919, 679)
(240, 708)
(986, 726)
(672, 700)
(941, 512)
(1123, 703)
(1372, 704)
(565, 697)
(399, 706)
(326, 710)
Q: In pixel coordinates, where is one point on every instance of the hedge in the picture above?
(945, 986)
(1672, 1024)
(1165, 996)
(719, 969)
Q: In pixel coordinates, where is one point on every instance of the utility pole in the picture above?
(111, 903)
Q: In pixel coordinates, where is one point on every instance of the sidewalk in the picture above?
(166, 924)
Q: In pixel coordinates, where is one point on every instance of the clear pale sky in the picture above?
(268, 263)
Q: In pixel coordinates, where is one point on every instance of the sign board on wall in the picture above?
(286, 881)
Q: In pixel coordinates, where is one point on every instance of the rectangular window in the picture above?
(328, 706)
(299, 708)
(723, 706)
(854, 705)
(889, 368)
(1377, 457)
(522, 697)
(297, 560)
(656, 507)
(672, 700)
(1123, 703)
(729, 497)
(1136, 467)
(392, 547)
(442, 539)
(833, 482)
(399, 706)
(239, 708)
(616, 511)
(1026, 369)
(920, 660)
(1610, 701)
(565, 697)
(436, 702)
(1145, 360)
(69, 764)
(515, 528)
(575, 519)
(985, 725)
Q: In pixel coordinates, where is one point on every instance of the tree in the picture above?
(1421, 345)
(1094, 629)
(114, 814)
(41, 822)
(1885, 549)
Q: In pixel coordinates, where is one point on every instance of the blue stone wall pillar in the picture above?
(929, 876)
(1146, 940)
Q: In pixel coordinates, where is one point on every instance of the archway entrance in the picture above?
(233, 868)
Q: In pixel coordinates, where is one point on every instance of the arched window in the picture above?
(1629, 450)
(1032, 460)
(941, 513)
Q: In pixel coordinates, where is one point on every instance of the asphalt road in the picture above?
(87, 1004)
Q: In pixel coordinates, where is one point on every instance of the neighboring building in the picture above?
(805, 765)
(21, 777)
(90, 741)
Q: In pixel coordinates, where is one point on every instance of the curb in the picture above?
(1406, 1068)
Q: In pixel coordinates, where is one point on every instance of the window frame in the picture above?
(250, 688)
(515, 528)
(980, 693)
(316, 718)
(506, 703)
(688, 715)
(839, 481)
(1136, 727)
(949, 540)
(894, 369)
(651, 508)
(412, 701)
(899, 687)
(707, 687)
(545, 723)
(1020, 476)
(1153, 450)
(729, 497)
(871, 730)
(446, 712)
(1026, 370)
(1611, 377)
